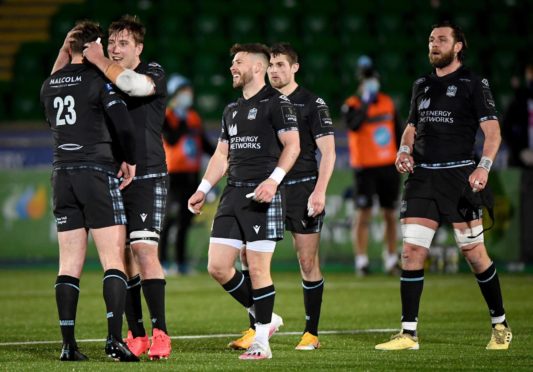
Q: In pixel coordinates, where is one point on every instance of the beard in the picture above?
(245, 78)
(442, 60)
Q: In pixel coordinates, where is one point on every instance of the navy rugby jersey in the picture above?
(250, 127)
(314, 121)
(446, 112)
(148, 115)
(75, 101)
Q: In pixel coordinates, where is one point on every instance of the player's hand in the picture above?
(126, 172)
(404, 163)
(65, 48)
(316, 203)
(265, 191)
(478, 179)
(93, 51)
(196, 202)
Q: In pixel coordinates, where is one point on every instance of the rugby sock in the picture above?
(411, 285)
(67, 290)
(115, 287)
(251, 316)
(134, 310)
(154, 293)
(240, 289)
(490, 288)
(264, 305)
(312, 302)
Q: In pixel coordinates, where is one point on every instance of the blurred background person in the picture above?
(373, 132)
(185, 142)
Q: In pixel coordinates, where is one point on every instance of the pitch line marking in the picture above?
(220, 335)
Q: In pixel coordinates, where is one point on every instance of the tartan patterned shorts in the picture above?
(145, 202)
(86, 197)
(245, 219)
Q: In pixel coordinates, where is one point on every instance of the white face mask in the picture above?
(371, 86)
(183, 100)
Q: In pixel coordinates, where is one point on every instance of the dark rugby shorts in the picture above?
(297, 195)
(381, 181)
(145, 201)
(86, 198)
(438, 194)
(244, 219)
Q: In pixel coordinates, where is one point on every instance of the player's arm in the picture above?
(121, 120)
(290, 141)
(317, 199)
(479, 177)
(63, 57)
(354, 113)
(404, 159)
(128, 81)
(216, 168)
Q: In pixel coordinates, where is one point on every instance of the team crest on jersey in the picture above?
(424, 103)
(452, 89)
(252, 114)
(320, 101)
(485, 82)
(233, 115)
(284, 98)
(232, 130)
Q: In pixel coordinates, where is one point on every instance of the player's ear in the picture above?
(295, 67)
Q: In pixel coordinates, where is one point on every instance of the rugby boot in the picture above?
(161, 345)
(70, 353)
(400, 341)
(257, 351)
(501, 338)
(137, 345)
(118, 350)
(308, 342)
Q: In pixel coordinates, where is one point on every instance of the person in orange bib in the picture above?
(185, 142)
(373, 132)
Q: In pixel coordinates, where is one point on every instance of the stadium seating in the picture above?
(193, 38)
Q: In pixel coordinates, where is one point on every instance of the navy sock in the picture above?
(114, 287)
(411, 285)
(246, 274)
(264, 303)
(154, 293)
(489, 284)
(67, 290)
(313, 303)
(134, 310)
(240, 289)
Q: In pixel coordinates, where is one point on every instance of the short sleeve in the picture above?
(157, 74)
(224, 136)
(110, 95)
(483, 102)
(283, 114)
(320, 119)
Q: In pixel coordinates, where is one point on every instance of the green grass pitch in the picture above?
(454, 325)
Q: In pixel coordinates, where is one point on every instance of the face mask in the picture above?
(371, 86)
(184, 100)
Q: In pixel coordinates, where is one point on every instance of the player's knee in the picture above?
(308, 264)
(149, 237)
(469, 238)
(417, 235)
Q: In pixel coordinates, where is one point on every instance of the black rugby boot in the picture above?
(118, 350)
(70, 353)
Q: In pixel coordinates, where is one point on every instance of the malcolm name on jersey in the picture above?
(66, 80)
